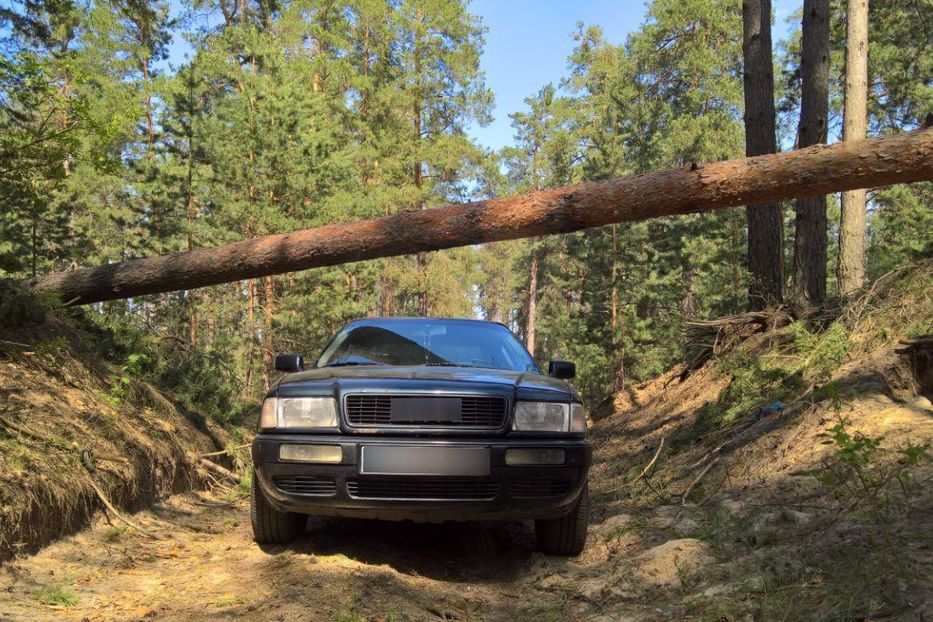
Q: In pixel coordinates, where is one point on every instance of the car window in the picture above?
(430, 342)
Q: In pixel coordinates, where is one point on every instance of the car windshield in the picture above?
(427, 342)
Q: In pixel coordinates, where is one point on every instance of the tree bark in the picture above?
(817, 170)
(851, 268)
(765, 221)
(250, 336)
(268, 313)
(810, 232)
(532, 312)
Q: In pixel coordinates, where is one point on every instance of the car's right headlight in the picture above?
(549, 417)
(298, 412)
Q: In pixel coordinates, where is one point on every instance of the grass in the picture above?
(793, 362)
(348, 615)
(115, 534)
(634, 527)
(56, 594)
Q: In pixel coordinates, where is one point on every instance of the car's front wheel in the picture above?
(565, 535)
(269, 525)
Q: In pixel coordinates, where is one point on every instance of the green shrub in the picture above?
(55, 594)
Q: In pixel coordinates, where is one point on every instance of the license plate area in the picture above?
(424, 410)
(421, 460)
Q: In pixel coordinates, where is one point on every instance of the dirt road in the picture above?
(207, 568)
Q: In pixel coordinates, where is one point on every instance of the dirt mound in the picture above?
(69, 421)
(667, 563)
(797, 453)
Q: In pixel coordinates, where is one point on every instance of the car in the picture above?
(428, 420)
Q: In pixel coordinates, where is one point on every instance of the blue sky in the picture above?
(528, 42)
(527, 45)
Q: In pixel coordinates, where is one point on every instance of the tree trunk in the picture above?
(150, 127)
(267, 316)
(532, 310)
(810, 234)
(851, 268)
(250, 336)
(765, 221)
(900, 158)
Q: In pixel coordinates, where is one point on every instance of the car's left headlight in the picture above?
(548, 417)
(298, 412)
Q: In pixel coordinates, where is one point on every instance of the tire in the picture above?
(565, 535)
(269, 525)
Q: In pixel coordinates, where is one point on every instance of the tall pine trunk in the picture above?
(531, 317)
(810, 231)
(851, 268)
(267, 316)
(250, 336)
(765, 221)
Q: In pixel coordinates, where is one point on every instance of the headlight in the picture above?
(298, 412)
(577, 418)
(542, 417)
(549, 417)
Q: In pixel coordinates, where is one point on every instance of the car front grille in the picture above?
(446, 488)
(538, 488)
(475, 412)
(306, 485)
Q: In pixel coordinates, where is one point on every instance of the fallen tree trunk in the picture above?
(816, 170)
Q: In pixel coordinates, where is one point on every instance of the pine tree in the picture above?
(765, 222)
(851, 265)
(810, 244)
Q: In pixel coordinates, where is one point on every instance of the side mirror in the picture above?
(565, 370)
(289, 362)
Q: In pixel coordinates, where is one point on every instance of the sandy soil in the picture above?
(208, 568)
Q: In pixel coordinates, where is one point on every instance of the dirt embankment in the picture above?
(69, 421)
(783, 477)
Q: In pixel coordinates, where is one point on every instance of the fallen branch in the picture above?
(27, 433)
(752, 317)
(17, 344)
(117, 514)
(697, 480)
(216, 468)
(925, 340)
(33, 602)
(224, 452)
(657, 453)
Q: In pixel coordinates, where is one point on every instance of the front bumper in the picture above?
(507, 493)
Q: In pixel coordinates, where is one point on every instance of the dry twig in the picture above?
(116, 513)
(224, 452)
(697, 480)
(216, 468)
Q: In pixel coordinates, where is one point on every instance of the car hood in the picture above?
(422, 378)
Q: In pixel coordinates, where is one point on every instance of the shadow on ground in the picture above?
(437, 551)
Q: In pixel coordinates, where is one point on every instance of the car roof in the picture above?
(392, 320)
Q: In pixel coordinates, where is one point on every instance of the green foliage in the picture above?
(297, 114)
(901, 230)
(55, 594)
(804, 365)
(756, 381)
(19, 307)
(861, 469)
(821, 353)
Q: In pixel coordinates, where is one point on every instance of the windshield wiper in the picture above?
(449, 364)
(351, 363)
